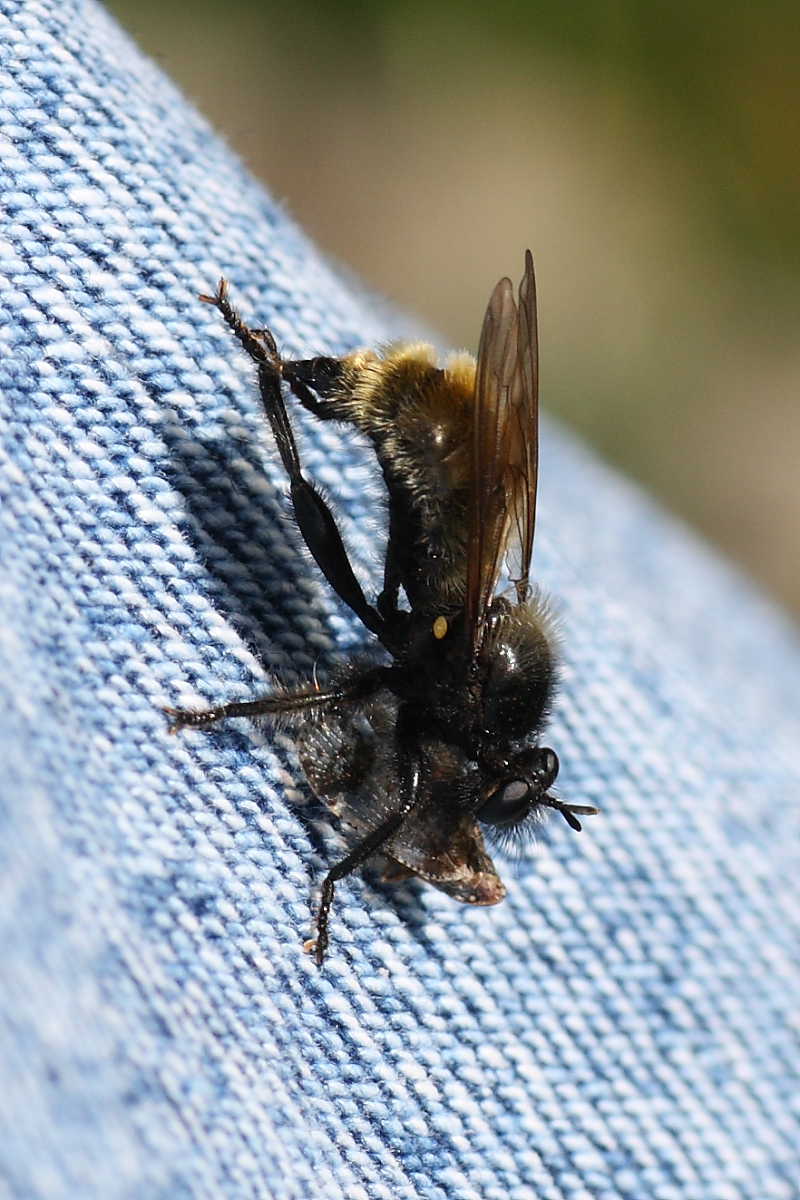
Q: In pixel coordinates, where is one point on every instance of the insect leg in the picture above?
(315, 382)
(276, 706)
(314, 518)
(259, 343)
(410, 777)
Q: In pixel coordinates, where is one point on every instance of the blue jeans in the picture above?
(623, 1025)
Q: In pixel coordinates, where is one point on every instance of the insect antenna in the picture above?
(568, 810)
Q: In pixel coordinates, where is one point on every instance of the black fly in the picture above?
(441, 737)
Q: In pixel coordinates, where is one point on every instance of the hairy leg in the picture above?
(314, 518)
(308, 700)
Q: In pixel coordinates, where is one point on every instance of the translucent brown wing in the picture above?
(505, 449)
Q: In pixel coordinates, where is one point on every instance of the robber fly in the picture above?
(421, 749)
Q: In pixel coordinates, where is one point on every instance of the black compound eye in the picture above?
(549, 767)
(508, 804)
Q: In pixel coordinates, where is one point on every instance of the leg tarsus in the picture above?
(410, 776)
(259, 343)
(185, 718)
(201, 719)
(276, 706)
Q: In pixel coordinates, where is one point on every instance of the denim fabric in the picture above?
(624, 1025)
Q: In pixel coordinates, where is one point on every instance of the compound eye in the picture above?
(549, 767)
(509, 804)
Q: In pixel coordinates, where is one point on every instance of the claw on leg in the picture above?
(219, 296)
(183, 718)
(259, 343)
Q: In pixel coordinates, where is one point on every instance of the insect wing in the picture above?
(504, 466)
(445, 847)
(523, 441)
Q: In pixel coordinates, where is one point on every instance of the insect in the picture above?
(436, 736)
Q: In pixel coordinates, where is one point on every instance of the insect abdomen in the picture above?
(419, 418)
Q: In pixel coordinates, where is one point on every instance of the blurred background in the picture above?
(648, 152)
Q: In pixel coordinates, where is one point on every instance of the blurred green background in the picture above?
(649, 154)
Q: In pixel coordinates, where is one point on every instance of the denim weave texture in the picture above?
(624, 1025)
